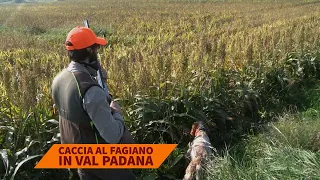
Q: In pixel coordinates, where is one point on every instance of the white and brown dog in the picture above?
(199, 151)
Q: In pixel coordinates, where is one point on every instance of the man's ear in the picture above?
(194, 129)
(90, 50)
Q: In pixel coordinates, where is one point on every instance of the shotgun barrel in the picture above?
(99, 74)
(127, 137)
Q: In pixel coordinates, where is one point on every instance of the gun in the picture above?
(127, 137)
(99, 74)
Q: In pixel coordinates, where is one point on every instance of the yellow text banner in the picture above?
(106, 156)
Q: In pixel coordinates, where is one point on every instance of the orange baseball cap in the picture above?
(82, 37)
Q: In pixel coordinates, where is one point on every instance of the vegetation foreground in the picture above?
(249, 70)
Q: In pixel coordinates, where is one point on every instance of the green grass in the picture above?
(288, 149)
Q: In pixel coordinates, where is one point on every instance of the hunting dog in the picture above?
(199, 151)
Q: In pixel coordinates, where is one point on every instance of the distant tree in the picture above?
(18, 1)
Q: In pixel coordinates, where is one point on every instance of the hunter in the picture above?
(85, 115)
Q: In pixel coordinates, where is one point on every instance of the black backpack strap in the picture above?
(84, 83)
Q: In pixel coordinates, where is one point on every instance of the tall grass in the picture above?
(288, 150)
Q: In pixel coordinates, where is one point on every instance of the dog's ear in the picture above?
(194, 128)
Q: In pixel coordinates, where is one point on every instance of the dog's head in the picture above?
(196, 127)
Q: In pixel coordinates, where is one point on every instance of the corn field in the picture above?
(233, 64)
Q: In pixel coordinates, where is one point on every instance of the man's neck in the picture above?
(91, 70)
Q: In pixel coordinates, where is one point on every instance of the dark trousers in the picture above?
(106, 174)
(110, 174)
